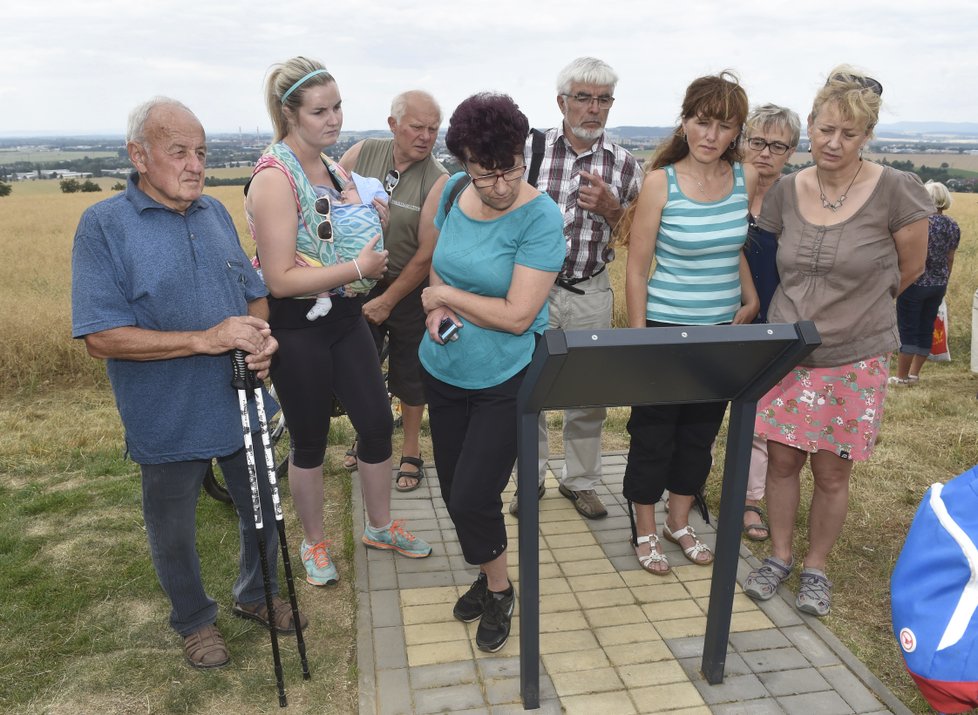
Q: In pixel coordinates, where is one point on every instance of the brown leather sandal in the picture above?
(417, 476)
(205, 648)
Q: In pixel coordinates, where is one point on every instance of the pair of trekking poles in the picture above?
(247, 384)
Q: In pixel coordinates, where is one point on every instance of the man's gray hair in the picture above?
(586, 70)
(138, 116)
(400, 103)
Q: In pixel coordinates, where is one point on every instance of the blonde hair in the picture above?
(856, 94)
(282, 80)
(939, 193)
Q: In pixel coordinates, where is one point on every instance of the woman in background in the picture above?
(771, 136)
(917, 306)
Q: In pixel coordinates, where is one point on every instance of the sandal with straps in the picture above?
(417, 476)
(757, 531)
(690, 552)
(654, 558)
(350, 458)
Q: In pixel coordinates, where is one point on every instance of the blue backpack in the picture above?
(934, 595)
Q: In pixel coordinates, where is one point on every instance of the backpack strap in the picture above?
(457, 189)
(536, 158)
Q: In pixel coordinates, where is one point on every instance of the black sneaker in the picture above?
(493, 631)
(472, 604)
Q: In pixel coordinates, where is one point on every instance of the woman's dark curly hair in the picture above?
(489, 129)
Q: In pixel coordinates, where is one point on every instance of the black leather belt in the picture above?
(569, 283)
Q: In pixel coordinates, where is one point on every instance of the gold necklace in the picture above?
(834, 206)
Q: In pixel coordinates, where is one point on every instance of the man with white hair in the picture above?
(592, 179)
(162, 291)
(414, 180)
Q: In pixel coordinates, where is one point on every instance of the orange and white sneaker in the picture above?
(320, 570)
(396, 538)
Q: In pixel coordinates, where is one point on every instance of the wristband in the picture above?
(357, 266)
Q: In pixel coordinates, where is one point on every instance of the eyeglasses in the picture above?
(487, 180)
(758, 144)
(390, 181)
(325, 228)
(584, 100)
(865, 82)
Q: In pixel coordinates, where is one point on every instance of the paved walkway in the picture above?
(614, 639)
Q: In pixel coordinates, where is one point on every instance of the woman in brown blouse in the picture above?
(852, 236)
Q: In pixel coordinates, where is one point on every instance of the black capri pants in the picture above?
(473, 435)
(670, 447)
(332, 355)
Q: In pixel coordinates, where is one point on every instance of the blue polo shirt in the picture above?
(138, 263)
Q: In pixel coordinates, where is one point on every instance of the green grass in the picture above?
(44, 157)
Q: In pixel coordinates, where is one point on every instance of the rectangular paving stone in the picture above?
(426, 579)
(626, 633)
(749, 621)
(439, 653)
(639, 577)
(385, 608)
(692, 572)
(450, 699)
(563, 621)
(598, 704)
(647, 652)
(627, 563)
(571, 526)
(610, 597)
(781, 613)
(501, 691)
(758, 640)
(499, 667)
(681, 627)
(851, 688)
(551, 570)
(825, 703)
(613, 547)
(558, 602)
(740, 604)
(733, 665)
(434, 632)
(583, 660)
(765, 661)
(427, 596)
(668, 696)
(551, 586)
(793, 682)
(595, 582)
(431, 563)
(698, 589)
(642, 675)
(380, 576)
(689, 647)
(389, 647)
(393, 693)
(731, 690)
(590, 566)
(660, 612)
(581, 682)
(567, 641)
(764, 706)
(811, 646)
(428, 613)
(613, 615)
(442, 674)
(577, 553)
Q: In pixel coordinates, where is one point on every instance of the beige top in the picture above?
(844, 277)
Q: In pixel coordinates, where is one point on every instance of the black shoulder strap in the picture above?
(453, 194)
(536, 157)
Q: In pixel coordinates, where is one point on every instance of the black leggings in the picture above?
(333, 355)
(473, 434)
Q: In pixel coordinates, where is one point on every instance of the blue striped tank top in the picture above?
(696, 280)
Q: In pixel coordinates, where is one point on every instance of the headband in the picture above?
(294, 87)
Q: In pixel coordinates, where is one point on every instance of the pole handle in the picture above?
(243, 378)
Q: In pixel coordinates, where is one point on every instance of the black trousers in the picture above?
(670, 448)
(473, 435)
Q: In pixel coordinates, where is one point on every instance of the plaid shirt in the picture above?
(587, 234)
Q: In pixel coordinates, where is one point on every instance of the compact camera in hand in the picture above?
(447, 330)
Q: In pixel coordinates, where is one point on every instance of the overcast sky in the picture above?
(79, 67)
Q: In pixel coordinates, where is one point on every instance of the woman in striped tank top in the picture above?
(691, 216)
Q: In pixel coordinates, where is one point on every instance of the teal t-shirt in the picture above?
(478, 257)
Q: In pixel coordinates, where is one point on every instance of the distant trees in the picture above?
(71, 186)
(118, 186)
(5, 189)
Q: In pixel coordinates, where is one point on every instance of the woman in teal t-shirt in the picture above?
(499, 249)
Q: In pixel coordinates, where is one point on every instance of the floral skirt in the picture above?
(837, 409)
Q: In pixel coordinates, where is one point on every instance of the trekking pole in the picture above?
(279, 517)
(244, 381)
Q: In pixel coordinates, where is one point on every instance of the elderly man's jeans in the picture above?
(170, 493)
